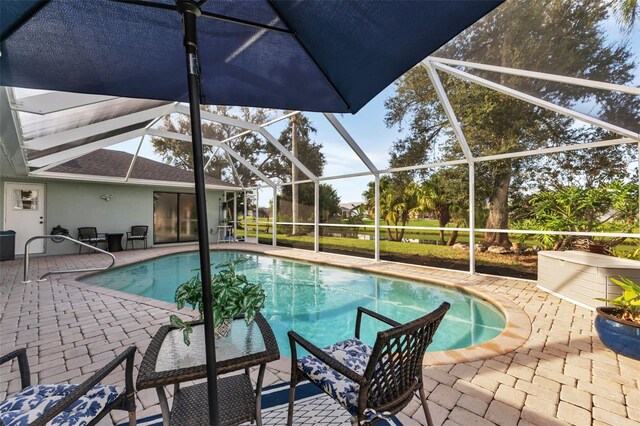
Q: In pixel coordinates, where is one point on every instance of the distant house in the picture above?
(350, 209)
(108, 190)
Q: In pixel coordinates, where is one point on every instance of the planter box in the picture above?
(580, 277)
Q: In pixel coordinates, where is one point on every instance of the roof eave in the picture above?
(130, 181)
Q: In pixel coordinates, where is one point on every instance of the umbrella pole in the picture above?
(190, 12)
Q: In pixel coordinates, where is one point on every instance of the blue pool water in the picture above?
(319, 302)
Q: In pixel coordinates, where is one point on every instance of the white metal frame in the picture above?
(55, 101)
(536, 101)
(540, 76)
(50, 102)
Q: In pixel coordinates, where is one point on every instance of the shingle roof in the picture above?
(105, 162)
(351, 205)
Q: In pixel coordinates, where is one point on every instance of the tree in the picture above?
(398, 200)
(520, 34)
(250, 146)
(445, 195)
(296, 137)
(627, 11)
(432, 199)
(586, 168)
(329, 203)
(329, 200)
(309, 152)
(294, 173)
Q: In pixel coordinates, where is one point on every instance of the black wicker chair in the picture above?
(371, 383)
(89, 235)
(137, 233)
(96, 400)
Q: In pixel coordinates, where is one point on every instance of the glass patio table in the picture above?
(169, 361)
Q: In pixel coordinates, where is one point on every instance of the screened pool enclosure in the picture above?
(282, 197)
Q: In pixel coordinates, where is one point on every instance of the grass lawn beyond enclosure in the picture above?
(442, 256)
(414, 253)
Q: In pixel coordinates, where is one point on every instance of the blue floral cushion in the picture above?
(33, 401)
(353, 354)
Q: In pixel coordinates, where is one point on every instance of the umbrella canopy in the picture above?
(313, 55)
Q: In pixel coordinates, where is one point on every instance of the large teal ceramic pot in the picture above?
(622, 337)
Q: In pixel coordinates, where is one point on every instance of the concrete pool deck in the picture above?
(555, 369)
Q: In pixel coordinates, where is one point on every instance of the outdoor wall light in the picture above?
(106, 197)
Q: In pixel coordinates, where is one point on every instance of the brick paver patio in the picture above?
(561, 375)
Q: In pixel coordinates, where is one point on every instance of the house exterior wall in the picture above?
(76, 204)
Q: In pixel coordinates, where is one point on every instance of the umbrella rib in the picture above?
(209, 15)
(244, 22)
(17, 25)
(324, 74)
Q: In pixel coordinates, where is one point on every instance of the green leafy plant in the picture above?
(232, 296)
(611, 207)
(633, 253)
(521, 238)
(629, 302)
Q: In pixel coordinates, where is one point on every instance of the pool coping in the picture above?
(517, 323)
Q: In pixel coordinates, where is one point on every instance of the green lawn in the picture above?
(524, 266)
(463, 237)
(422, 254)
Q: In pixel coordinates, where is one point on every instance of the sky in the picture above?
(368, 129)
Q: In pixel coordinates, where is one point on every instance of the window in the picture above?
(25, 200)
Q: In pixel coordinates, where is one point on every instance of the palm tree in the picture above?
(627, 11)
(398, 200)
(433, 199)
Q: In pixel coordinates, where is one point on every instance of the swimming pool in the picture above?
(318, 301)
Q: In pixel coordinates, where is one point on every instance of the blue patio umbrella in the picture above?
(311, 55)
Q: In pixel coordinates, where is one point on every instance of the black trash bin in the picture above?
(7, 245)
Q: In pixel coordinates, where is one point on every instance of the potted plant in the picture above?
(618, 326)
(233, 295)
(519, 243)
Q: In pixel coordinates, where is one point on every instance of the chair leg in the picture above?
(425, 408)
(292, 397)
(132, 418)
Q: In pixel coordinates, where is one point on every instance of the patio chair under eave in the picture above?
(89, 235)
(64, 404)
(372, 383)
(137, 233)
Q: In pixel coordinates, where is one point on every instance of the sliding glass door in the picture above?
(174, 218)
(188, 230)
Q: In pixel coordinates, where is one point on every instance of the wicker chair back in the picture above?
(394, 371)
(87, 233)
(139, 230)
